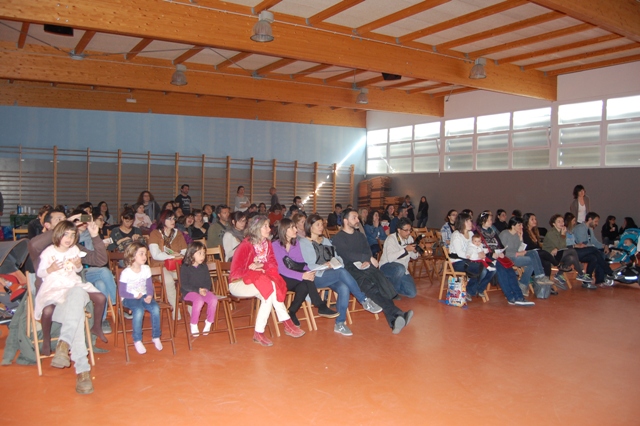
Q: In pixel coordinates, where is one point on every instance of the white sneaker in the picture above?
(157, 343)
(195, 332)
(207, 328)
(371, 306)
(140, 348)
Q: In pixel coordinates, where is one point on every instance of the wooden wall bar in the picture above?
(33, 177)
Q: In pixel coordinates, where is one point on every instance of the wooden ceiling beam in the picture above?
(580, 56)
(311, 70)
(460, 20)
(84, 41)
(158, 21)
(425, 88)
(188, 54)
(142, 44)
(594, 65)
(232, 61)
(369, 82)
(453, 92)
(494, 32)
(264, 5)
(557, 49)
(24, 31)
(399, 15)
(332, 11)
(42, 63)
(344, 75)
(34, 95)
(402, 84)
(619, 16)
(531, 40)
(274, 66)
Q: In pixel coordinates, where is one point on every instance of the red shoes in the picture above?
(292, 330)
(262, 339)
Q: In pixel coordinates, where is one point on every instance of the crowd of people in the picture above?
(283, 249)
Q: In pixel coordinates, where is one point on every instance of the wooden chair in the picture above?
(332, 232)
(305, 308)
(165, 312)
(449, 271)
(331, 298)
(214, 254)
(352, 309)
(181, 305)
(19, 233)
(32, 330)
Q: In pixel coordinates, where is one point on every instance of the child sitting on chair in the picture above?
(195, 286)
(142, 220)
(477, 253)
(136, 291)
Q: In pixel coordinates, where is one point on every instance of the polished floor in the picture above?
(573, 359)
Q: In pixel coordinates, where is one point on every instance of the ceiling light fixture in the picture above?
(362, 97)
(478, 72)
(76, 57)
(179, 78)
(262, 32)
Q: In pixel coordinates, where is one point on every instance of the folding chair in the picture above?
(165, 309)
(305, 308)
(32, 330)
(449, 271)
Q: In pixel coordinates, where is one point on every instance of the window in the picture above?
(619, 108)
(463, 126)
(401, 134)
(580, 113)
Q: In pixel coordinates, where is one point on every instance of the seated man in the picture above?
(352, 246)
(335, 219)
(219, 227)
(588, 247)
(398, 250)
(393, 224)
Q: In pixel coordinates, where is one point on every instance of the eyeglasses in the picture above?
(405, 230)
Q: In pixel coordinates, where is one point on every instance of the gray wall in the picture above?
(543, 192)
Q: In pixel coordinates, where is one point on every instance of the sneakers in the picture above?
(157, 343)
(290, 329)
(371, 306)
(106, 327)
(342, 328)
(561, 281)
(585, 278)
(468, 297)
(326, 312)
(261, 339)
(140, 348)
(543, 280)
(407, 317)
(524, 289)
(609, 281)
(523, 302)
(589, 286)
(84, 385)
(207, 328)
(195, 332)
(482, 294)
(399, 324)
(61, 357)
(491, 268)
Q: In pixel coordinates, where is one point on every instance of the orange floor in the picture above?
(570, 360)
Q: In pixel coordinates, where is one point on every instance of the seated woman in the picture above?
(628, 223)
(318, 251)
(528, 259)
(555, 243)
(531, 237)
(151, 207)
(610, 231)
(299, 220)
(460, 239)
(199, 228)
(126, 233)
(374, 231)
(506, 275)
(449, 227)
(254, 273)
(234, 235)
(166, 242)
(300, 279)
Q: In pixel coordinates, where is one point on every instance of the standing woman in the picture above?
(300, 280)
(423, 212)
(580, 204)
(254, 273)
(242, 202)
(374, 232)
(234, 235)
(151, 207)
(166, 242)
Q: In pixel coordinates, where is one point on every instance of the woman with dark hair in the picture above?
(449, 226)
(103, 209)
(555, 243)
(198, 230)
(242, 202)
(254, 273)
(388, 213)
(423, 212)
(609, 231)
(529, 260)
(479, 277)
(374, 231)
(506, 276)
(627, 224)
(126, 233)
(169, 205)
(531, 237)
(165, 243)
(151, 207)
(580, 204)
(317, 252)
(234, 235)
(300, 278)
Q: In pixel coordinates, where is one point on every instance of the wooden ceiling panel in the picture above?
(295, 67)
(630, 50)
(378, 18)
(613, 45)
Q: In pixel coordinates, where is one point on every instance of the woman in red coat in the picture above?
(254, 273)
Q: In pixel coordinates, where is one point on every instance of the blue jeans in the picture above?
(402, 282)
(102, 279)
(138, 306)
(477, 284)
(531, 264)
(509, 283)
(340, 281)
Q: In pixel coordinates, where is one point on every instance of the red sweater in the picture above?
(243, 257)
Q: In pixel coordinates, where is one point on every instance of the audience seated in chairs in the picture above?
(398, 250)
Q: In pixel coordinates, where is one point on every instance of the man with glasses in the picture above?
(398, 250)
